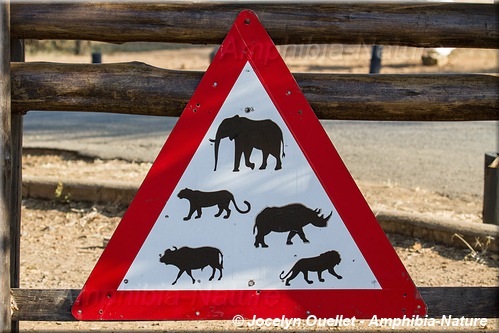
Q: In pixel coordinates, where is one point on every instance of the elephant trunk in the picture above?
(217, 144)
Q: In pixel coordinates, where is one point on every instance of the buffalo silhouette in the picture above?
(186, 259)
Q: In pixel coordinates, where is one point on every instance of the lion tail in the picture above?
(283, 277)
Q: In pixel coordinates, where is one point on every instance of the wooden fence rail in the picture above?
(412, 24)
(55, 304)
(136, 88)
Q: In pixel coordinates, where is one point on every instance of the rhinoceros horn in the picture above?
(327, 217)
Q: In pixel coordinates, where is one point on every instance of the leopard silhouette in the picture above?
(199, 199)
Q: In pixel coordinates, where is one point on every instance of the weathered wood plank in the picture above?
(5, 167)
(136, 88)
(44, 304)
(291, 22)
(470, 302)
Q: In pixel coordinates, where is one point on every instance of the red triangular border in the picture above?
(247, 41)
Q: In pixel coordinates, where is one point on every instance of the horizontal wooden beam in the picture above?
(136, 88)
(43, 304)
(468, 302)
(413, 24)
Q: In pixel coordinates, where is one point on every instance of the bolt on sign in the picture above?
(248, 210)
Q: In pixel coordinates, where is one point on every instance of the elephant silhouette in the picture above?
(247, 134)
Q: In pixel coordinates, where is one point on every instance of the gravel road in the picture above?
(445, 157)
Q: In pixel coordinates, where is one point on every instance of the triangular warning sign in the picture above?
(248, 211)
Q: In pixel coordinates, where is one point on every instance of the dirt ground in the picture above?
(61, 239)
(334, 58)
(58, 229)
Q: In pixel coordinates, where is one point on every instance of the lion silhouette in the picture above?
(325, 261)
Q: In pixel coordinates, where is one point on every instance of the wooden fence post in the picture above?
(375, 66)
(17, 55)
(490, 210)
(5, 167)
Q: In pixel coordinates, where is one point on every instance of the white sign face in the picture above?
(237, 242)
